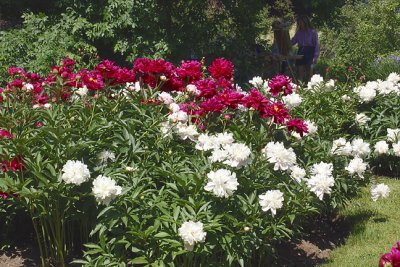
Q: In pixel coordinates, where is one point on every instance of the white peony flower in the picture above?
(257, 82)
(179, 116)
(321, 184)
(47, 105)
(186, 131)
(222, 183)
(192, 89)
(329, 85)
(82, 91)
(206, 142)
(166, 128)
(357, 166)
(381, 147)
(297, 173)
(379, 191)
(396, 149)
(393, 135)
(315, 81)
(218, 155)
(386, 87)
(271, 200)
(393, 77)
(322, 168)
(29, 87)
(362, 119)
(360, 148)
(192, 233)
(282, 158)
(105, 189)
(166, 98)
(238, 155)
(293, 100)
(366, 94)
(341, 147)
(224, 139)
(75, 172)
(312, 128)
(346, 98)
(105, 156)
(174, 107)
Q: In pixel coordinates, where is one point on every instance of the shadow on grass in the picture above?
(321, 235)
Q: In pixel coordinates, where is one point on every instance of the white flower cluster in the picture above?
(192, 233)
(379, 191)
(105, 189)
(282, 158)
(357, 148)
(259, 83)
(321, 180)
(381, 148)
(224, 149)
(362, 119)
(357, 166)
(297, 173)
(293, 100)
(75, 172)
(105, 156)
(341, 147)
(369, 91)
(393, 135)
(271, 200)
(317, 81)
(312, 128)
(222, 183)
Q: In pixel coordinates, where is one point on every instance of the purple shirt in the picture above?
(307, 38)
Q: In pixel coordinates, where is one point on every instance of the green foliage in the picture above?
(362, 32)
(41, 42)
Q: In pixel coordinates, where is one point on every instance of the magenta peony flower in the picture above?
(68, 62)
(277, 111)
(207, 88)
(230, 98)
(280, 83)
(92, 80)
(221, 68)
(190, 71)
(6, 134)
(14, 71)
(255, 100)
(391, 259)
(297, 125)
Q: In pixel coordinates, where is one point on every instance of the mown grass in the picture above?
(374, 228)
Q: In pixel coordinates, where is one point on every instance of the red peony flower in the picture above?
(280, 83)
(16, 71)
(277, 111)
(6, 134)
(17, 164)
(256, 100)
(230, 98)
(92, 80)
(3, 195)
(392, 258)
(212, 105)
(68, 62)
(207, 88)
(297, 125)
(190, 71)
(221, 68)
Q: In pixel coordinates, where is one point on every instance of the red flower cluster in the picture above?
(280, 83)
(16, 164)
(392, 258)
(6, 134)
(214, 94)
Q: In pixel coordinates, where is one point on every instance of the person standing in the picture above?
(306, 38)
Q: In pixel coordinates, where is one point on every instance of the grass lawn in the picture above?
(375, 228)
